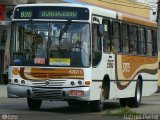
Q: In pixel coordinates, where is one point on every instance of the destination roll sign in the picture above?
(54, 12)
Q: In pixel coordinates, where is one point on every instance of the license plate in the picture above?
(76, 93)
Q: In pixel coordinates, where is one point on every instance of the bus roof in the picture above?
(124, 17)
(136, 20)
(102, 12)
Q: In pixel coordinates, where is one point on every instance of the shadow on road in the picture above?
(78, 109)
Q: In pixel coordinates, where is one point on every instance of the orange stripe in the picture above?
(50, 73)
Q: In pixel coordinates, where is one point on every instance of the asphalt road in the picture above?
(17, 109)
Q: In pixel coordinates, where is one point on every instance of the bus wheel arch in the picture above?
(98, 105)
(106, 86)
(136, 100)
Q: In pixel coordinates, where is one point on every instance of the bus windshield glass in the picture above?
(50, 44)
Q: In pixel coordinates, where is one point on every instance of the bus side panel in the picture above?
(105, 67)
(150, 85)
(127, 92)
(130, 68)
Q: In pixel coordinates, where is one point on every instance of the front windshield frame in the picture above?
(48, 36)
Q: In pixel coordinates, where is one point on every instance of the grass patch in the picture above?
(121, 112)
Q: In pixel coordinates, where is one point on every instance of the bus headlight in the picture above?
(15, 80)
(80, 82)
(22, 81)
(72, 83)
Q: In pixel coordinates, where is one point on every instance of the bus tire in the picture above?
(34, 104)
(72, 103)
(136, 100)
(123, 102)
(97, 105)
(5, 78)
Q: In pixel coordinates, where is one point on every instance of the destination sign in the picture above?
(58, 14)
(26, 14)
(54, 12)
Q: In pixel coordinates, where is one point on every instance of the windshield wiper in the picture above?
(35, 38)
(64, 29)
(32, 26)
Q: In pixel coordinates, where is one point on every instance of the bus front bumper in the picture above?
(49, 93)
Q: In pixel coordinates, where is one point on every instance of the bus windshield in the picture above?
(50, 44)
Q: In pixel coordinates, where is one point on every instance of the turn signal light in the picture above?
(15, 71)
(87, 83)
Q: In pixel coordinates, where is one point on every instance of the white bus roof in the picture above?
(102, 12)
(93, 9)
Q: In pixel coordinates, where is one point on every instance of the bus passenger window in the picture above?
(155, 47)
(96, 45)
(133, 39)
(106, 37)
(149, 42)
(115, 38)
(124, 38)
(142, 41)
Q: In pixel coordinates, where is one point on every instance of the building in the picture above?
(6, 7)
(153, 7)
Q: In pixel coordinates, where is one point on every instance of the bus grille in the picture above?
(47, 93)
(49, 83)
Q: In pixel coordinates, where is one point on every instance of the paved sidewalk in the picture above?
(3, 91)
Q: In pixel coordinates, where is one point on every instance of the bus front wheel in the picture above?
(34, 104)
(97, 105)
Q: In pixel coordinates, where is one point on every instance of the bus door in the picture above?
(103, 62)
(109, 57)
(110, 71)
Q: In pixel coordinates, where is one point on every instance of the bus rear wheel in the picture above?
(123, 102)
(34, 104)
(133, 101)
(136, 100)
